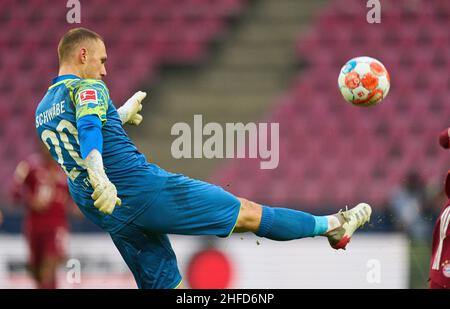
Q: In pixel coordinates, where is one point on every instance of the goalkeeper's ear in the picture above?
(444, 138)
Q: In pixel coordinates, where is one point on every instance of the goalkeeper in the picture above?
(137, 202)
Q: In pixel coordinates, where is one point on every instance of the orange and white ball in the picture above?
(364, 81)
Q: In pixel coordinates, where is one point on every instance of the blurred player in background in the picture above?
(83, 130)
(409, 205)
(40, 185)
(440, 256)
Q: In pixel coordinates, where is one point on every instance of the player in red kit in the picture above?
(40, 185)
(440, 256)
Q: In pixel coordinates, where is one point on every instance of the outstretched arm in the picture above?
(91, 99)
(91, 144)
(129, 112)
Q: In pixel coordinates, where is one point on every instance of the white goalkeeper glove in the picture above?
(105, 193)
(129, 112)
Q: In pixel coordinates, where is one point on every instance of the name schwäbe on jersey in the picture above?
(50, 114)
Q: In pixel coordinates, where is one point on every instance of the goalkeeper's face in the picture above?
(94, 65)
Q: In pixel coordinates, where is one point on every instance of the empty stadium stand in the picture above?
(333, 153)
(141, 36)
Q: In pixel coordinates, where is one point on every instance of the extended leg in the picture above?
(282, 223)
(288, 224)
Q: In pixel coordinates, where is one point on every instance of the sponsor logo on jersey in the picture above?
(88, 96)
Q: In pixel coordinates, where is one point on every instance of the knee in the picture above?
(249, 216)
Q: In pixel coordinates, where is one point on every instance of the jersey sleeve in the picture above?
(91, 97)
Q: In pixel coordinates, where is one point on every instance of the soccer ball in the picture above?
(364, 81)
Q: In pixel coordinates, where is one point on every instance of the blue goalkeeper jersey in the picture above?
(138, 182)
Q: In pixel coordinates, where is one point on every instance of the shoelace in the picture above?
(360, 214)
(344, 213)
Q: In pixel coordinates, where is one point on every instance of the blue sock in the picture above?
(288, 224)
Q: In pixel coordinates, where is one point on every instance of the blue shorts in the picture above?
(184, 206)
